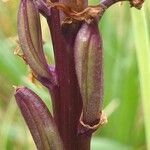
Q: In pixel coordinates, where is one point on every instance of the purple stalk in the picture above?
(69, 102)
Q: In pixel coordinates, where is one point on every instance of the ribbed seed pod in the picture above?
(38, 119)
(89, 70)
(30, 37)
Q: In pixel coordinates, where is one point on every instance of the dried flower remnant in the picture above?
(137, 3)
(87, 15)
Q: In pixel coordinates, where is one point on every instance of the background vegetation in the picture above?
(126, 34)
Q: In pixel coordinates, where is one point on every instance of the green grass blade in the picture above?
(140, 31)
(108, 144)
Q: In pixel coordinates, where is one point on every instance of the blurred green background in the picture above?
(126, 34)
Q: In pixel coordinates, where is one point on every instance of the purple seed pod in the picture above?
(30, 37)
(89, 71)
(38, 119)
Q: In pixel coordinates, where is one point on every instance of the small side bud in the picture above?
(89, 70)
(30, 37)
(38, 119)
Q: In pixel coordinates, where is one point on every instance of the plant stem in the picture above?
(84, 142)
(68, 104)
